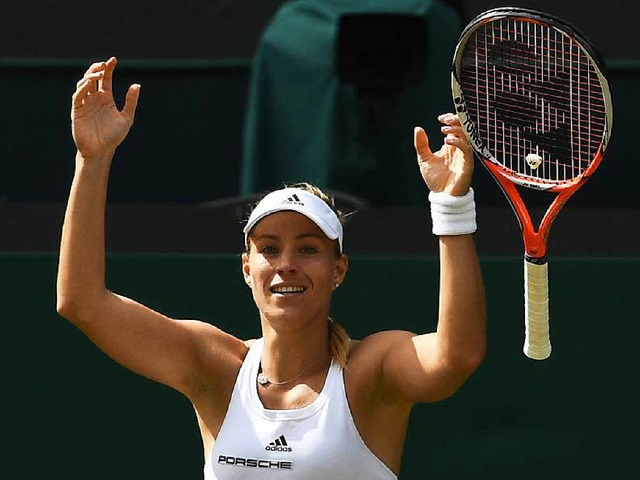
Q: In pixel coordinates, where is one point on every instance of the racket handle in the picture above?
(536, 306)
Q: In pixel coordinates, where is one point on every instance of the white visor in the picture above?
(301, 201)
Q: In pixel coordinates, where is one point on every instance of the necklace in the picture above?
(263, 378)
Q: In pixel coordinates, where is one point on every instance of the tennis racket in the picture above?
(533, 97)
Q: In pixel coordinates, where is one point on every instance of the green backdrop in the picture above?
(185, 145)
(71, 413)
(306, 123)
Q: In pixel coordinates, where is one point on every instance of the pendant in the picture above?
(263, 379)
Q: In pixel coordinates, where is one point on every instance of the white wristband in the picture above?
(452, 215)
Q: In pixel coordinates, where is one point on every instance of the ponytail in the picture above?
(338, 342)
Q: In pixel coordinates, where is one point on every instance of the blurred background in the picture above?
(242, 96)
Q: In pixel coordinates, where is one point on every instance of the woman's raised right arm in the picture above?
(98, 128)
(173, 352)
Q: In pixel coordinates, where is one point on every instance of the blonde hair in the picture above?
(338, 342)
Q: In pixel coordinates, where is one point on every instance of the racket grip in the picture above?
(537, 344)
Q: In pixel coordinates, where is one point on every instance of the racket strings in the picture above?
(533, 93)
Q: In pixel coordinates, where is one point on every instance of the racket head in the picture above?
(534, 98)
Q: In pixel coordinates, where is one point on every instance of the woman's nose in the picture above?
(287, 262)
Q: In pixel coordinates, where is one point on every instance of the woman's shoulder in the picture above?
(370, 351)
(353, 344)
(378, 340)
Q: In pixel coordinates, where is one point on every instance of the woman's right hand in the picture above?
(98, 127)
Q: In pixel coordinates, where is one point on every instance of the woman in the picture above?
(303, 401)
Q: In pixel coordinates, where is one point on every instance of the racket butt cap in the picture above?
(536, 352)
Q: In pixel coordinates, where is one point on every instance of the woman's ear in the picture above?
(246, 270)
(342, 265)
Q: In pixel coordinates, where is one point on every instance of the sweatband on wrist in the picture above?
(453, 215)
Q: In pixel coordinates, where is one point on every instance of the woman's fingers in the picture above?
(454, 134)
(89, 77)
(131, 102)
(107, 80)
(94, 71)
(95, 67)
(101, 70)
(449, 119)
(98, 77)
(84, 88)
(421, 144)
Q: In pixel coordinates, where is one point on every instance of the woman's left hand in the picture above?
(450, 169)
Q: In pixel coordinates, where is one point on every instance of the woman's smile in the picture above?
(287, 289)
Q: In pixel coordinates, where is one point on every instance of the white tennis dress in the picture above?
(316, 442)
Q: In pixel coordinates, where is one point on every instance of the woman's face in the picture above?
(292, 267)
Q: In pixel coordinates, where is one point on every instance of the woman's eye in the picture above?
(308, 250)
(268, 250)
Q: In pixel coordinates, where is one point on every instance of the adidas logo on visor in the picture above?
(293, 200)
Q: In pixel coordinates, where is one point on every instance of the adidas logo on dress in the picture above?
(278, 445)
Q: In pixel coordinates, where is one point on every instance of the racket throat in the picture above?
(535, 245)
(535, 241)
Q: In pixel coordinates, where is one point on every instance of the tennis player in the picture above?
(303, 401)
